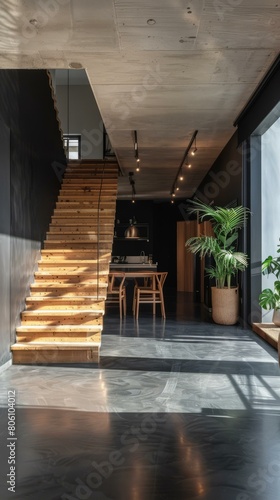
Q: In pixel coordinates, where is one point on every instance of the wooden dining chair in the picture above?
(116, 293)
(152, 293)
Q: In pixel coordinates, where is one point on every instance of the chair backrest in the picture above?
(115, 281)
(160, 279)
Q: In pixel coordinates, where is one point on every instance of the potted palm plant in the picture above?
(227, 261)
(270, 299)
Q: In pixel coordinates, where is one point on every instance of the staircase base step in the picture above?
(46, 353)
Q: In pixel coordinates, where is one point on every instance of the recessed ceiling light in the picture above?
(75, 65)
(151, 22)
(33, 21)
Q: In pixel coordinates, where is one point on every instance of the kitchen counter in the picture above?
(128, 266)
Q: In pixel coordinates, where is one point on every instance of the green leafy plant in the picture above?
(270, 299)
(226, 223)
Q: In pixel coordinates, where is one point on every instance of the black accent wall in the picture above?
(162, 219)
(31, 149)
(222, 185)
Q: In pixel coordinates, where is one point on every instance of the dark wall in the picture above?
(28, 119)
(143, 212)
(162, 218)
(223, 183)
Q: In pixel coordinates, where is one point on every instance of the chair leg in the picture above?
(124, 302)
(162, 305)
(120, 304)
(137, 303)
(134, 300)
(154, 304)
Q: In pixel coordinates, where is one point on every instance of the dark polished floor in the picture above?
(180, 409)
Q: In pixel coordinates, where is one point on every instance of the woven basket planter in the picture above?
(225, 305)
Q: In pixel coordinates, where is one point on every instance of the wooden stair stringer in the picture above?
(63, 317)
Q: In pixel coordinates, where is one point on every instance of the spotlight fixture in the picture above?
(179, 175)
(137, 169)
(195, 148)
(136, 152)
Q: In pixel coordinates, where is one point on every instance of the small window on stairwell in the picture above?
(72, 146)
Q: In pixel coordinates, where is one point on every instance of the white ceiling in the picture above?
(194, 69)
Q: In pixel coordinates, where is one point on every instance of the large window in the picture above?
(270, 189)
(72, 146)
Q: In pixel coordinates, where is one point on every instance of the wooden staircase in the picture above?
(63, 319)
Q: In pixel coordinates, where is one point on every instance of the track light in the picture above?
(136, 152)
(179, 175)
(195, 148)
(137, 169)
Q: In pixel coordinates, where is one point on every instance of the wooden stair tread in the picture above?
(90, 299)
(66, 312)
(70, 262)
(68, 251)
(76, 272)
(64, 297)
(58, 328)
(79, 285)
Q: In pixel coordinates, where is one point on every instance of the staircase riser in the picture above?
(90, 205)
(101, 269)
(69, 293)
(106, 194)
(77, 175)
(80, 229)
(82, 254)
(87, 197)
(87, 181)
(65, 307)
(66, 281)
(62, 321)
(81, 222)
(86, 212)
(33, 357)
(70, 337)
(77, 237)
(72, 246)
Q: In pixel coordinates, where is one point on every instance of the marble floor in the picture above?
(180, 409)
